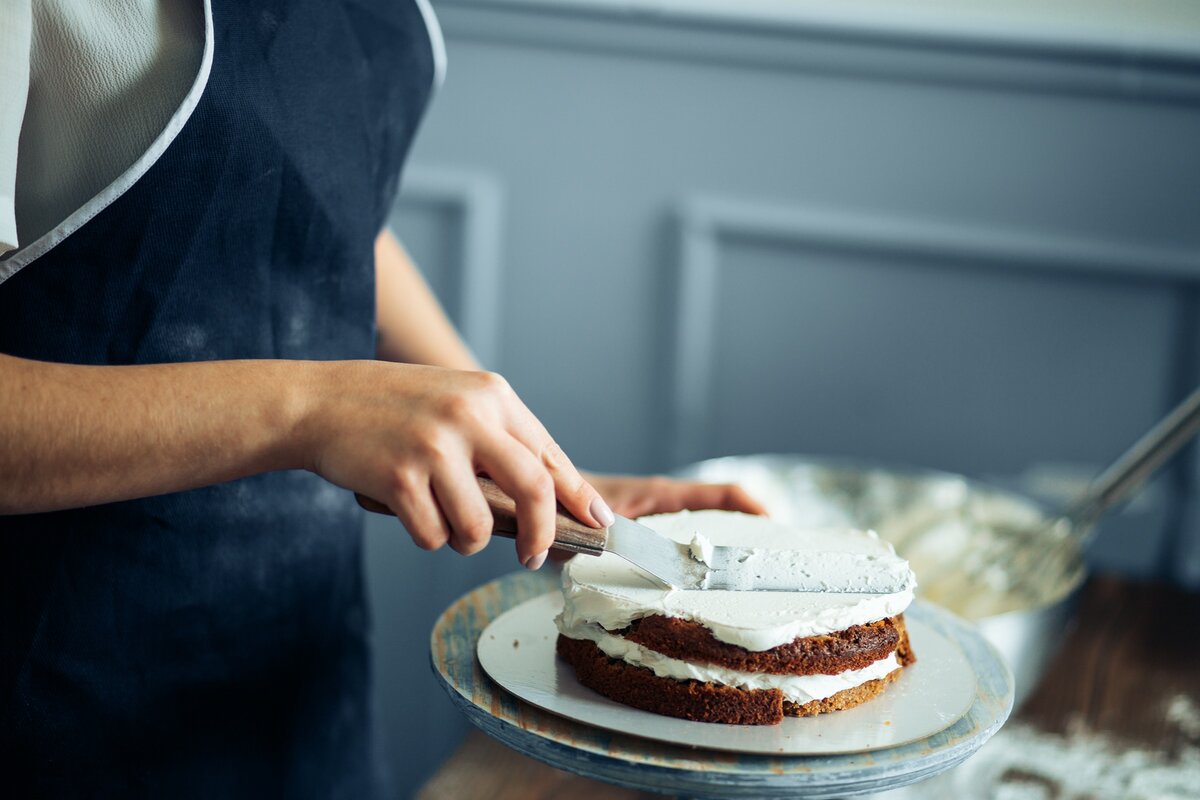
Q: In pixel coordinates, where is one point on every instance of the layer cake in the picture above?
(745, 658)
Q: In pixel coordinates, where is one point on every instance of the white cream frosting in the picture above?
(797, 688)
(805, 569)
(611, 592)
(701, 548)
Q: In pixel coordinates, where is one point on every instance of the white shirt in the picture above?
(91, 93)
(102, 80)
(14, 86)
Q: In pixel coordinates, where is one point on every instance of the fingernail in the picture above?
(601, 512)
(535, 561)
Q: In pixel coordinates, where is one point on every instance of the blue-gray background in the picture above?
(680, 239)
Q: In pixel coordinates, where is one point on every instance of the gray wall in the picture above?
(680, 240)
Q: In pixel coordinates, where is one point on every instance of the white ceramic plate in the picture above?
(517, 652)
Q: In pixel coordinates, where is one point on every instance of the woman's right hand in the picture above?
(415, 437)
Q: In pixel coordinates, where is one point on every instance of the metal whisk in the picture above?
(1033, 560)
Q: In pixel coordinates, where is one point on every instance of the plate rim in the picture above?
(673, 768)
(551, 596)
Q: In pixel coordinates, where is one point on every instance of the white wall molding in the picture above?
(1033, 62)
(707, 223)
(1151, 28)
(478, 199)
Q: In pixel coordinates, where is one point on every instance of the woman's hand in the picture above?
(633, 496)
(636, 496)
(415, 437)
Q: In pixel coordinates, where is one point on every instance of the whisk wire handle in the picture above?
(1131, 470)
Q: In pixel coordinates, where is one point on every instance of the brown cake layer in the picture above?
(703, 702)
(854, 648)
(641, 688)
(904, 651)
(847, 698)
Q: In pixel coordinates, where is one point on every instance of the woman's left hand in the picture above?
(636, 496)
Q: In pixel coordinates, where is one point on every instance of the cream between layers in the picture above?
(797, 688)
(611, 592)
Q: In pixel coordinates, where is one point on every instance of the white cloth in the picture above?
(436, 43)
(91, 94)
(15, 35)
(103, 79)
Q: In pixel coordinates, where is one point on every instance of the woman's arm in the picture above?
(412, 437)
(634, 496)
(413, 327)
(82, 435)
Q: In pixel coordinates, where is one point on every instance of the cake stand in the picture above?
(637, 763)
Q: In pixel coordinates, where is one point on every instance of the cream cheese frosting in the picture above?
(610, 592)
(797, 688)
(749, 569)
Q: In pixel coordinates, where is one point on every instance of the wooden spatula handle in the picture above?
(569, 533)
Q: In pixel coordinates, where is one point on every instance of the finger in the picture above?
(572, 490)
(523, 478)
(738, 499)
(647, 504)
(663, 495)
(575, 492)
(724, 496)
(636, 496)
(413, 504)
(462, 504)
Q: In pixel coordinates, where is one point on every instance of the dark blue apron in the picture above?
(213, 643)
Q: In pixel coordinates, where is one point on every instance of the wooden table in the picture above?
(1134, 647)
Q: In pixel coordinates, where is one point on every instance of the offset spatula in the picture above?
(726, 568)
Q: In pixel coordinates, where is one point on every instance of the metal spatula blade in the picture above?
(740, 569)
(725, 568)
